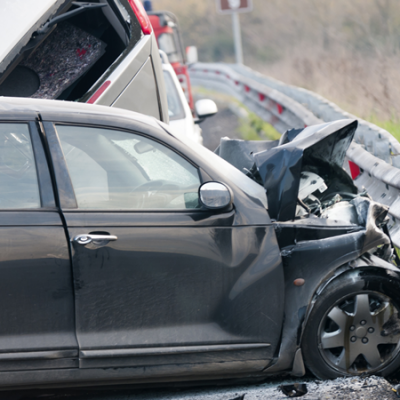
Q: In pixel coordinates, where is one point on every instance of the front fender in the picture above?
(312, 261)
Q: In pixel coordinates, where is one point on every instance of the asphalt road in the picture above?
(372, 388)
(225, 123)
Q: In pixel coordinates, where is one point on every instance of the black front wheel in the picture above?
(354, 328)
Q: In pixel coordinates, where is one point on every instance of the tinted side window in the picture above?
(18, 177)
(118, 170)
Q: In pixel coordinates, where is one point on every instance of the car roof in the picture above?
(15, 105)
(18, 20)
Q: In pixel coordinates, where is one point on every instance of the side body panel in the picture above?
(141, 93)
(191, 279)
(37, 319)
(136, 83)
(193, 285)
(125, 71)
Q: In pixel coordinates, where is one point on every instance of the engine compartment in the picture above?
(311, 198)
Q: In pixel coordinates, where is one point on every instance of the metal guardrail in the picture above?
(374, 150)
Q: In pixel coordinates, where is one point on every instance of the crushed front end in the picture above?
(325, 227)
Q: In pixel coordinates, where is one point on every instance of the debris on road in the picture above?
(295, 390)
(369, 388)
(352, 388)
(396, 390)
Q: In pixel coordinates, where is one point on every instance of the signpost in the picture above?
(235, 7)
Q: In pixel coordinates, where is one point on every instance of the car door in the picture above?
(37, 327)
(158, 279)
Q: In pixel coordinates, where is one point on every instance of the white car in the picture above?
(180, 115)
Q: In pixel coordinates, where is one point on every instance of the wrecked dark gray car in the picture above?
(131, 255)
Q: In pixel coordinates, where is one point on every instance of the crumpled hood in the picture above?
(280, 167)
(278, 164)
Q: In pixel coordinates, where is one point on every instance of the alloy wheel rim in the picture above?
(360, 333)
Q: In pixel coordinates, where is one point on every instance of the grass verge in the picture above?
(392, 126)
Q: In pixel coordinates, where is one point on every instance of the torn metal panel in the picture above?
(280, 168)
(312, 228)
(278, 165)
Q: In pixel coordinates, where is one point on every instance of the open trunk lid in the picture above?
(19, 19)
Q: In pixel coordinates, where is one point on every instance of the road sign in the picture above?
(234, 6)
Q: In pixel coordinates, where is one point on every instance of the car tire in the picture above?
(354, 327)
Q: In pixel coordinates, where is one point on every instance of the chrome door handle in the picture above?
(86, 239)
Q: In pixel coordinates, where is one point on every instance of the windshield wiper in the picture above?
(82, 6)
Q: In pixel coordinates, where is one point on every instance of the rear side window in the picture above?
(18, 177)
(175, 107)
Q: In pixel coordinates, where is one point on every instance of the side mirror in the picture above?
(215, 195)
(192, 55)
(204, 109)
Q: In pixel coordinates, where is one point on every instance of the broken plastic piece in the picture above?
(354, 170)
(295, 390)
(396, 389)
(309, 183)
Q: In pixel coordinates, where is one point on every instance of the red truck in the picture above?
(166, 30)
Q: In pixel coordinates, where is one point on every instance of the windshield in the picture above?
(247, 185)
(167, 43)
(175, 107)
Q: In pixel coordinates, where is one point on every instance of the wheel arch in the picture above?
(367, 264)
(300, 301)
(370, 263)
